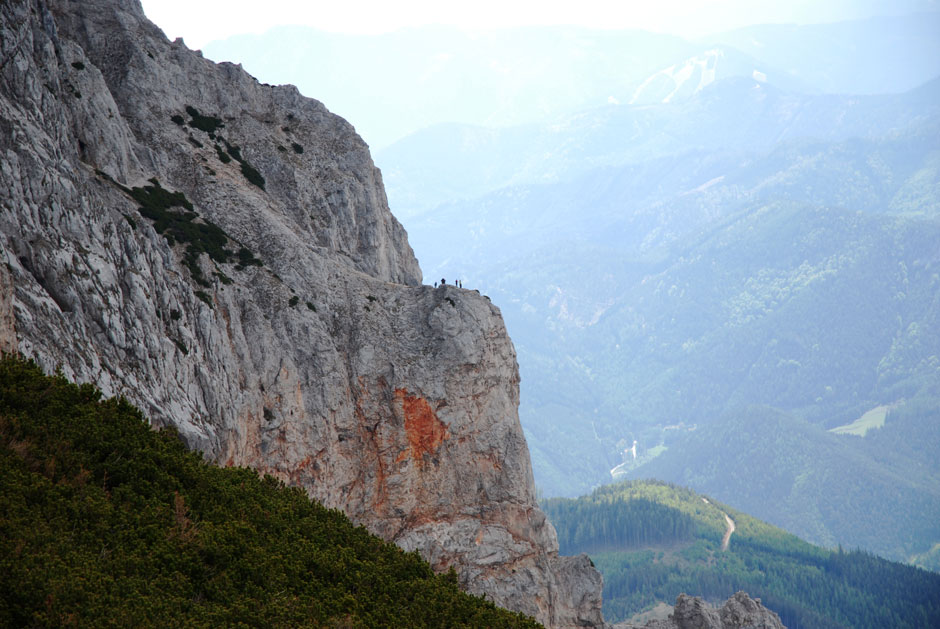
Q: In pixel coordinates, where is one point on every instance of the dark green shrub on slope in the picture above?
(108, 523)
(173, 216)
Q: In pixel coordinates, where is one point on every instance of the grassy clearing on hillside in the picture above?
(929, 560)
(875, 418)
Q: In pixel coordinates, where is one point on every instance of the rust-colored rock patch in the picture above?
(424, 430)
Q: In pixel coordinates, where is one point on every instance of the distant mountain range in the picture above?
(770, 249)
(393, 84)
(722, 273)
(870, 56)
(739, 116)
(680, 81)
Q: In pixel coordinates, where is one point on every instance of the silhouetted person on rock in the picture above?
(443, 281)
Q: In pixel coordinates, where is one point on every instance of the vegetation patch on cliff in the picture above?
(109, 523)
(209, 124)
(233, 151)
(173, 216)
(248, 171)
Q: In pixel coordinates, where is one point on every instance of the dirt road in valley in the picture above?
(727, 538)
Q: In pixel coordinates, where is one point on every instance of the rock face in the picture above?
(7, 319)
(140, 184)
(739, 612)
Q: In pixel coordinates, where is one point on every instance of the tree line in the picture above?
(653, 541)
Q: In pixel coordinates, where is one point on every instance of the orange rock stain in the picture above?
(424, 430)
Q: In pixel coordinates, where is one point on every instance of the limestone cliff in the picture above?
(221, 253)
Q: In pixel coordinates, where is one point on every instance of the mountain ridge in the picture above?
(806, 51)
(620, 135)
(221, 252)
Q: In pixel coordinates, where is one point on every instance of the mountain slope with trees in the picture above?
(653, 540)
(880, 492)
(108, 523)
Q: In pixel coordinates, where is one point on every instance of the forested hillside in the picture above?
(880, 492)
(108, 523)
(653, 540)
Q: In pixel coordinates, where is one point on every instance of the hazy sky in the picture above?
(202, 21)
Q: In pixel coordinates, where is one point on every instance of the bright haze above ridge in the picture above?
(198, 23)
(394, 68)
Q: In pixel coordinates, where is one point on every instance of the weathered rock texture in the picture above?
(330, 366)
(739, 612)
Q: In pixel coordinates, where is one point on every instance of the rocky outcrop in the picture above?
(221, 253)
(739, 612)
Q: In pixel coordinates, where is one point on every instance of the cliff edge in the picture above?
(221, 253)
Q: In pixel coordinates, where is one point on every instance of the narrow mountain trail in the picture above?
(727, 538)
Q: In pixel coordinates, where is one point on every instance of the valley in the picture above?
(715, 246)
(686, 338)
(653, 300)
